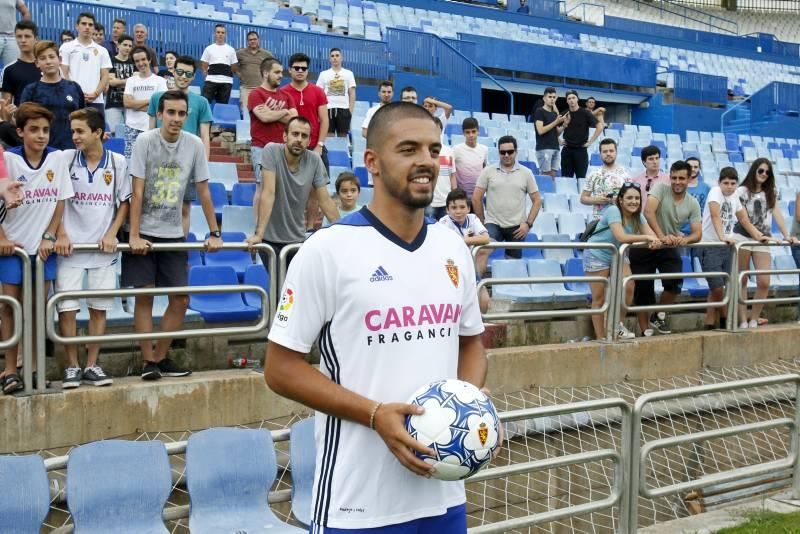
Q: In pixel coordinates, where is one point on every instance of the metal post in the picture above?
(283, 262)
(16, 313)
(734, 287)
(39, 337)
(795, 444)
(27, 319)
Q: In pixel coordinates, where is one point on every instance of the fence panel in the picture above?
(703, 88)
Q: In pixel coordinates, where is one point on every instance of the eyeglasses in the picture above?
(184, 73)
(507, 152)
(763, 171)
(299, 69)
(634, 185)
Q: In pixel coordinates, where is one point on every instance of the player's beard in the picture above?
(396, 190)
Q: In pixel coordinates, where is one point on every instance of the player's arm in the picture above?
(472, 362)
(477, 202)
(351, 94)
(650, 217)
(264, 114)
(138, 245)
(205, 136)
(323, 126)
(326, 204)
(475, 240)
(204, 66)
(263, 206)
(288, 374)
(598, 129)
(23, 10)
(46, 246)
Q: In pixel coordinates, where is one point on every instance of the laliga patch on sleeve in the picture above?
(285, 306)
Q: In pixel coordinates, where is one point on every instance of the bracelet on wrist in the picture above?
(372, 415)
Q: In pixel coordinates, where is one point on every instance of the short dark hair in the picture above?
(219, 25)
(298, 118)
(124, 37)
(186, 60)
(470, 123)
(168, 52)
(267, 64)
(591, 98)
(679, 166)
(695, 158)
(438, 122)
(86, 15)
(93, 119)
(386, 83)
(608, 141)
(138, 49)
(408, 89)
(344, 177)
(172, 95)
(67, 33)
(507, 139)
(121, 21)
(28, 111)
(99, 27)
(650, 150)
(549, 90)
(27, 25)
(572, 92)
(456, 194)
(390, 113)
(252, 32)
(334, 49)
(299, 57)
(728, 173)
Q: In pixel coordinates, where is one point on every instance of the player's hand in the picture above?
(109, 243)
(521, 231)
(7, 247)
(253, 240)
(655, 244)
(792, 240)
(390, 425)
(213, 244)
(731, 241)
(318, 149)
(12, 192)
(63, 246)
(46, 248)
(139, 245)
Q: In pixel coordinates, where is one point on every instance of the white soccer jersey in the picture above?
(44, 186)
(388, 315)
(88, 215)
(472, 225)
(85, 63)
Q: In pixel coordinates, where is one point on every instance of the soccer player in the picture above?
(387, 325)
(94, 215)
(34, 223)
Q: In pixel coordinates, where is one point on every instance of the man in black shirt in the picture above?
(16, 75)
(122, 68)
(578, 120)
(548, 124)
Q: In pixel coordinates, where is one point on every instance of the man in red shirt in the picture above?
(270, 110)
(312, 104)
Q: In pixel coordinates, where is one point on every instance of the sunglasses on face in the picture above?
(184, 73)
(300, 69)
(763, 171)
(507, 152)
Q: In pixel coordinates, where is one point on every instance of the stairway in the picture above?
(738, 121)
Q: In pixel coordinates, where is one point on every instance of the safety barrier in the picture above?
(609, 282)
(283, 263)
(638, 480)
(702, 88)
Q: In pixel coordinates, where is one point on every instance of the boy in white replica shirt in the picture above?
(720, 214)
(94, 215)
(33, 224)
(470, 228)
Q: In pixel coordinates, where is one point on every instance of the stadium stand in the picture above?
(24, 509)
(303, 452)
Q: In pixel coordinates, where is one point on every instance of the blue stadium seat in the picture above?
(696, 287)
(338, 158)
(531, 166)
(515, 292)
(197, 221)
(195, 256)
(223, 307)
(223, 172)
(549, 292)
(24, 506)
(238, 219)
(255, 275)
(566, 186)
(735, 157)
(558, 254)
(571, 224)
(132, 495)
(226, 115)
(363, 176)
(303, 456)
(231, 496)
(240, 260)
(338, 144)
(115, 144)
(545, 223)
(574, 267)
(555, 203)
(242, 194)
(784, 281)
(219, 197)
(243, 132)
(532, 253)
(545, 184)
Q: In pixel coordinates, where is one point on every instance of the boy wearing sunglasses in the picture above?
(198, 120)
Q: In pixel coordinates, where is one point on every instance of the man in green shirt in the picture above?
(668, 207)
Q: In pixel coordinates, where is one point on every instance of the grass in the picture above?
(767, 523)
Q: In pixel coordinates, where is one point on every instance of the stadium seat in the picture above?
(559, 254)
(225, 115)
(222, 307)
(515, 292)
(338, 158)
(532, 253)
(24, 507)
(784, 281)
(240, 260)
(545, 184)
(303, 457)
(696, 287)
(255, 275)
(571, 224)
(219, 197)
(242, 194)
(132, 495)
(363, 176)
(195, 256)
(225, 173)
(555, 203)
(574, 267)
(115, 144)
(231, 496)
(243, 132)
(545, 223)
(197, 221)
(336, 144)
(238, 219)
(551, 291)
(566, 186)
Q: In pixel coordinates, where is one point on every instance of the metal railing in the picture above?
(638, 479)
(283, 263)
(609, 282)
(621, 459)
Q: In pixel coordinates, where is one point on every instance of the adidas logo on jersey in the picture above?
(380, 275)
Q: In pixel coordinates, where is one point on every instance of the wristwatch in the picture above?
(215, 233)
(48, 236)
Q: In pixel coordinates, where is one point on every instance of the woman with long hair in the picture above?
(621, 222)
(759, 197)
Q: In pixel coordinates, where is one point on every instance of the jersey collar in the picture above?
(391, 236)
(101, 165)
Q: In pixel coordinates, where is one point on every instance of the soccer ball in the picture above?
(459, 423)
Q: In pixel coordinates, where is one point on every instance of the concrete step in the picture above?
(225, 159)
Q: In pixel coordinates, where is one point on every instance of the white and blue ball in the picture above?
(460, 424)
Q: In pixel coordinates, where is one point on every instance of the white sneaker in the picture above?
(624, 333)
(743, 325)
(752, 324)
(648, 332)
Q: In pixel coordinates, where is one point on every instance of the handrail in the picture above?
(283, 263)
(608, 306)
(638, 479)
(480, 69)
(16, 313)
(735, 106)
(27, 323)
(688, 9)
(583, 6)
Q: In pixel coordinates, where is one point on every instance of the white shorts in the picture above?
(71, 279)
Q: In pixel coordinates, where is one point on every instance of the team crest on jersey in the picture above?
(452, 271)
(50, 175)
(107, 176)
(483, 433)
(285, 307)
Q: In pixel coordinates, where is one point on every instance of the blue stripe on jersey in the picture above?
(20, 151)
(332, 433)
